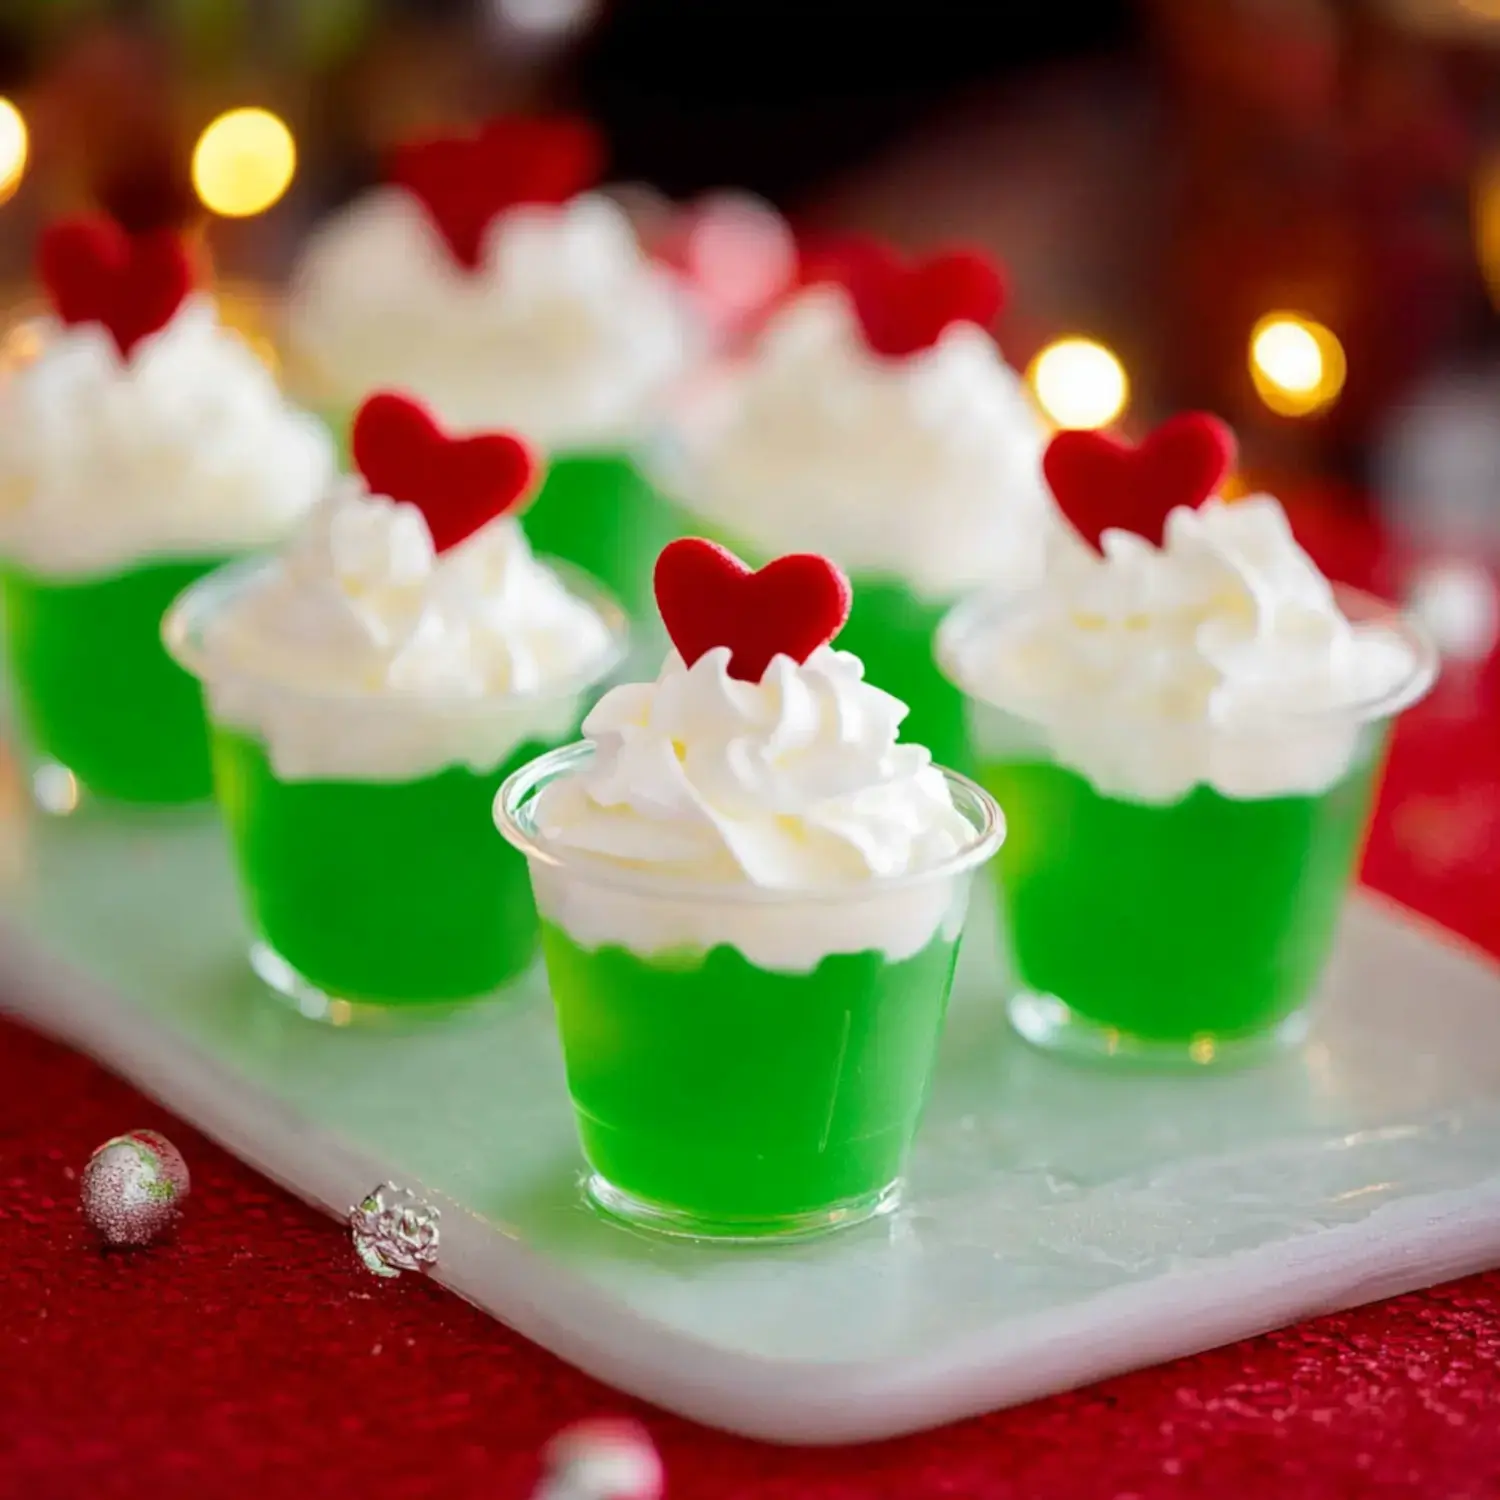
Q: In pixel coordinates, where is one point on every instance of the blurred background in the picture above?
(1287, 211)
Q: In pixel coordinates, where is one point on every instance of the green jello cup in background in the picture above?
(596, 509)
(1188, 933)
(337, 420)
(375, 898)
(892, 631)
(745, 1064)
(105, 712)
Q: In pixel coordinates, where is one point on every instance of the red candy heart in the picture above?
(905, 308)
(96, 273)
(463, 181)
(844, 259)
(459, 484)
(708, 597)
(1101, 481)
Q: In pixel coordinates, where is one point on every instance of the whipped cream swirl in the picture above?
(566, 332)
(1220, 659)
(925, 470)
(361, 654)
(793, 784)
(186, 450)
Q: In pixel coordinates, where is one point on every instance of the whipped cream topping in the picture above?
(925, 470)
(186, 450)
(793, 784)
(1220, 659)
(361, 654)
(566, 332)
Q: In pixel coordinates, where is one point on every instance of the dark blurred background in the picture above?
(1286, 210)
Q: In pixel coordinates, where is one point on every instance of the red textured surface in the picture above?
(253, 1357)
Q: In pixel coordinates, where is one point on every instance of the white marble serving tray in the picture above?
(1061, 1224)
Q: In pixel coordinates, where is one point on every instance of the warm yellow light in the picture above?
(243, 310)
(1079, 383)
(1234, 487)
(15, 146)
(243, 162)
(1297, 364)
(1487, 225)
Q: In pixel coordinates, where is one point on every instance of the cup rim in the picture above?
(183, 623)
(987, 609)
(517, 793)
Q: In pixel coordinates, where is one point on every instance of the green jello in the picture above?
(337, 421)
(96, 690)
(380, 893)
(1210, 918)
(595, 510)
(738, 1099)
(891, 630)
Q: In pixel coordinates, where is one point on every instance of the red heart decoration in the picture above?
(844, 259)
(96, 273)
(463, 181)
(459, 484)
(708, 597)
(1102, 481)
(905, 308)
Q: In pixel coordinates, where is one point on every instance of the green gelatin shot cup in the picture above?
(1190, 934)
(744, 1064)
(377, 900)
(105, 712)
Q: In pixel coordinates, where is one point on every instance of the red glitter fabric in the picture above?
(251, 1356)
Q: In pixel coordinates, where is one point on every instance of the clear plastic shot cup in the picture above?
(749, 1063)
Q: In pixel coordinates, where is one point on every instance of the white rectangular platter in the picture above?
(1061, 1224)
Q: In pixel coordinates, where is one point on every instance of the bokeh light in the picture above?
(21, 344)
(15, 145)
(1078, 382)
(1297, 364)
(1455, 598)
(243, 162)
(1234, 486)
(243, 309)
(1487, 225)
(544, 17)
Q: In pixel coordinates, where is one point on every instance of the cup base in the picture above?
(298, 993)
(1047, 1023)
(658, 1218)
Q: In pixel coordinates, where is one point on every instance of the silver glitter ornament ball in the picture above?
(134, 1187)
(601, 1459)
